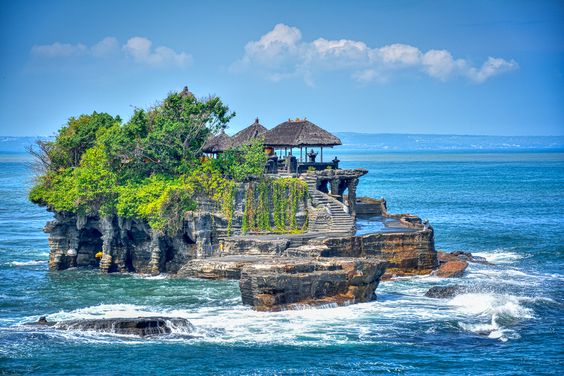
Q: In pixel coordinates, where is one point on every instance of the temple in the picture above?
(293, 237)
(281, 142)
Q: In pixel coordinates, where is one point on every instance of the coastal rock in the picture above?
(407, 253)
(251, 246)
(462, 256)
(228, 267)
(142, 326)
(445, 292)
(286, 284)
(452, 269)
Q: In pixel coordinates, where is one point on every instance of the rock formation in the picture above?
(141, 326)
(275, 270)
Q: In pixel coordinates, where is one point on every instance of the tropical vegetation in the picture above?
(152, 167)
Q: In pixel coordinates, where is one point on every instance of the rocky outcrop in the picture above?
(254, 245)
(228, 267)
(270, 283)
(286, 284)
(452, 269)
(444, 292)
(454, 264)
(118, 245)
(142, 326)
(407, 253)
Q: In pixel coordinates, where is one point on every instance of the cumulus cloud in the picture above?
(282, 53)
(139, 49)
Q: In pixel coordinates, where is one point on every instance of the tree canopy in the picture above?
(150, 167)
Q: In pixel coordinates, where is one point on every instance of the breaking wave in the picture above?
(28, 263)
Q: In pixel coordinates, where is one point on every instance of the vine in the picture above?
(281, 196)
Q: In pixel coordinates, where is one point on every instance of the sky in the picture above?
(433, 67)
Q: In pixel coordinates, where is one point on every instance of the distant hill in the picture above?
(422, 142)
(391, 142)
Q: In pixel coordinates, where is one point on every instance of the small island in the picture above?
(170, 192)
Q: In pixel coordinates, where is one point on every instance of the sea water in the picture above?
(506, 207)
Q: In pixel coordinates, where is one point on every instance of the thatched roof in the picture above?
(217, 143)
(299, 133)
(248, 134)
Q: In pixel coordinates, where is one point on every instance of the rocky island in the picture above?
(170, 192)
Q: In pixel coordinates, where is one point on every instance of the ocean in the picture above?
(507, 206)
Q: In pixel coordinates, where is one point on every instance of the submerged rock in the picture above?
(141, 326)
(445, 292)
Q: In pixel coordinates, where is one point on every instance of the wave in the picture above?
(27, 263)
(500, 256)
(499, 310)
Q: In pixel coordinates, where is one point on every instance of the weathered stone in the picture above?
(228, 267)
(445, 292)
(142, 326)
(407, 253)
(254, 246)
(287, 283)
(452, 269)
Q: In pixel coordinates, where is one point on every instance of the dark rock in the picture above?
(286, 283)
(142, 326)
(445, 292)
(461, 256)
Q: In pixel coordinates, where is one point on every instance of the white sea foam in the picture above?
(400, 304)
(27, 263)
(500, 256)
(497, 310)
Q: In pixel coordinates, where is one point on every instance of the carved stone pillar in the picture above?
(334, 186)
(108, 232)
(156, 253)
(353, 183)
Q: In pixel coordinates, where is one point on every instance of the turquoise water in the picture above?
(507, 207)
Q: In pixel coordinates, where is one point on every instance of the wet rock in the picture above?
(141, 326)
(452, 269)
(288, 283)
(461, 256)
(445, 292)
(467, 256)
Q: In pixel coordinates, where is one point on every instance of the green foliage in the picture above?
(166, 139)
(57, 190)
(283, 196)
(242, 162)
(77, 136)
(95, 183)
(148, 168)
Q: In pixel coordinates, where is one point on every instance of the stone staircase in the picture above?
(332, 216)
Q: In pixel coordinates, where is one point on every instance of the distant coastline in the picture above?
(392, 142)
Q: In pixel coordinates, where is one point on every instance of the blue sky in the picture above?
(446, 67)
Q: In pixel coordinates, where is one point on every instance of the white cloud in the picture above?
(105, 47)
(138, 48)
(282, 53)
(58, 50)
(490, 68)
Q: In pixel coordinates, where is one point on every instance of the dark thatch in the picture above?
(217, 143)
(248, 134)
(299, 133)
